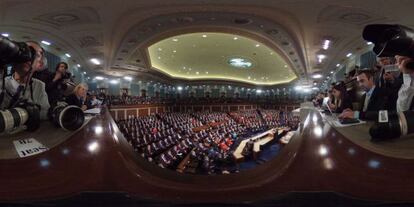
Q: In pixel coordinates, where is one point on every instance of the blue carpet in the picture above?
(268, 153)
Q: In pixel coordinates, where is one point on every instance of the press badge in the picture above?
(383, 116)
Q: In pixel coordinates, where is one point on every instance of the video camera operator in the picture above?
(20, 86)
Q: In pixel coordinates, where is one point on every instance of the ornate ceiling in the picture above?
(119, 34)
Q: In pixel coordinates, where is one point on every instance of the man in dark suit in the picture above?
(374, 99)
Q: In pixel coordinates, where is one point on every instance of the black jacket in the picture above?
(72, 99)
(379, 100)
(346, 103)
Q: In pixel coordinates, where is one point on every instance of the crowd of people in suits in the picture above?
(207, 138)
(385, 87)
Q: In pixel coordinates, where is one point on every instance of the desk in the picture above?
(237, 154)
(359, 134)
(261, 142)
(317, 160)
(47, 134)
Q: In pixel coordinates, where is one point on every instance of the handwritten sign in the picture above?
(29, 147)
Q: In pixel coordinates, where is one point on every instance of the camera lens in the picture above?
(68, 117)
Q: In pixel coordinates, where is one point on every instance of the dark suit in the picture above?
(378, 101)
(72, 99)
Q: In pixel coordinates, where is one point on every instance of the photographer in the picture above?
(56, 84)
(20, 86)
(374, 99)
(406, 92)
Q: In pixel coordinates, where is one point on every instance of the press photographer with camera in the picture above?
(56, 85)
(21, 87)
(395, 41)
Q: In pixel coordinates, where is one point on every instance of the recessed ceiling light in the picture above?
(286, 66)
(128, 78)
(369, 43)
(321, 57)
(114, 82)
(5, 34)
(206, 72)
(197, 73)
(99, 78)
(235, 38)
(68, 55)
(175, 40)
(326, 44)
(317, 76)
(78, 65)
(84, 73)
(174, 51)
(337, 65)
(204, 35)
(257, 45)
(159, 49)
(332, 72)
(349, 55)
(45, 42)
(95, 61)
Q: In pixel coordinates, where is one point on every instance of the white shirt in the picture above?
(406, 93)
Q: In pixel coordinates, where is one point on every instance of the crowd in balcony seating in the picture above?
(165, 139)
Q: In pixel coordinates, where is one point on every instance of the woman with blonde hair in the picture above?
(78, 97)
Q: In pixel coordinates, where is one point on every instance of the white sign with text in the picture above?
(29, 147)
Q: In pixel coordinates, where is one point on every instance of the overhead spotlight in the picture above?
(113, 81)
(84, 73)
(326, 44)
(45, 42)
(68, 55)
(78, 65)
(337, 65)
(95, 61)
(332, 72)
(180, 88)
(317, 76)
(369, 43)
(349, 55)
(321, 57)
(5, 34)
(128, 78)
(99, 78)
